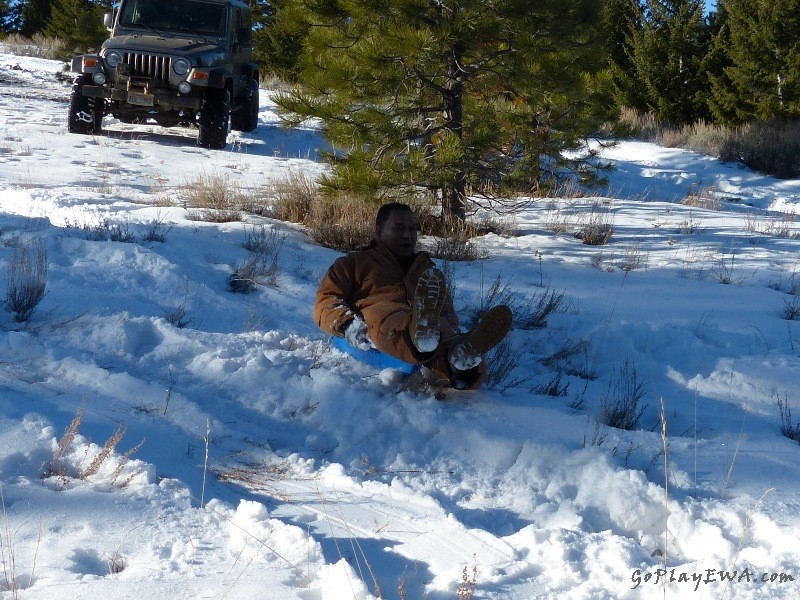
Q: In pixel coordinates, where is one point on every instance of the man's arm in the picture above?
(332, 311)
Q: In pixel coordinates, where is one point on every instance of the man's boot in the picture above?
(426, 310)
(491, 329)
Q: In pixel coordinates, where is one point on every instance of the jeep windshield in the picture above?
(202, 18)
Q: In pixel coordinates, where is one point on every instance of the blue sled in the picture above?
(373, 357)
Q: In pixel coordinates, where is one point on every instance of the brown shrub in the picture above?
(219, 201)
(344, 224)
(292, 197)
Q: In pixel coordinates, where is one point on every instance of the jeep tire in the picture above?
(215, 117)
(85, 113)
(246, 118)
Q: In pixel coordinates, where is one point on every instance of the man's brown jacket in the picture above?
(371, 283)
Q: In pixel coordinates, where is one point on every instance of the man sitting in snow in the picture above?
(391, 297)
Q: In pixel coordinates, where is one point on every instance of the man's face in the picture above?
(399, 233)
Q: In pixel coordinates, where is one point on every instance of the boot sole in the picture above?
(427, 309)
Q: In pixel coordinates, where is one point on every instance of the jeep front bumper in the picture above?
(143, 96)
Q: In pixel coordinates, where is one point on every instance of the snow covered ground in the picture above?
(259, 463)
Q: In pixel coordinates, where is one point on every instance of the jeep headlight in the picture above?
(181, 67)
(113, 58)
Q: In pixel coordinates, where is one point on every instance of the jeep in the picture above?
(182, 62)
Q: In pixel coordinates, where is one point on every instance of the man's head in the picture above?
(396, 227)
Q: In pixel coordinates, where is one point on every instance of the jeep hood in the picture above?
(151, 43)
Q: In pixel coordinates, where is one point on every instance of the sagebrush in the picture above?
(622, 406)
(27, 279)
(770, 146)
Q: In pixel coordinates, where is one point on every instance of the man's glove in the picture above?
(356, 334)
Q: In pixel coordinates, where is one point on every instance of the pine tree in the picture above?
(453, 96)
(276, 49)
(33, 16)
(759, 47)
(5, 16)
(12, 18)
(79, 23)
(667, 54)
(624, 20)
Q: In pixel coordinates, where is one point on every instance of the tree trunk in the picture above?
(454, 196)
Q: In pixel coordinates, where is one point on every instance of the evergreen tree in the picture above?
(759, 46)
(5, 16)
(33, 16)
(667, 54)
(12, 18)
(79, 23)
(276, 49)
(722, 103)
(624, 20)
(454, 96)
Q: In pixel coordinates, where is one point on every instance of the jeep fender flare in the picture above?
(251, 70)
(220, 78)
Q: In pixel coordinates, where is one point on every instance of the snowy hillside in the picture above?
(247, 459)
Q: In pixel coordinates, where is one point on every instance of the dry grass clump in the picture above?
(552, 388)
(643, 125)
(531, 311)
(702, 136)
(218, 200)
(58, 467)
(157, 230)
(11, 580)
(633, 258)
(97, 228)
(702, 198)
(261, 240)
(555, 219)
(260, 268)
(791, 309)
(789, 429)
(503, 361)
(466, 588)
(177, 314)
(780, 226)
(455, 239)
(39, 46)
(292, 197)
(622, 407)
(27, 279)
(347, 222)
(254, 271)
(771, 147)
(344, 224)
(595, 227)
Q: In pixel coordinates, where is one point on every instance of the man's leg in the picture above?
(491, 329)
(460, 360)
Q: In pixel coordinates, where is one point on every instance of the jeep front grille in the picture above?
(149, 65)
